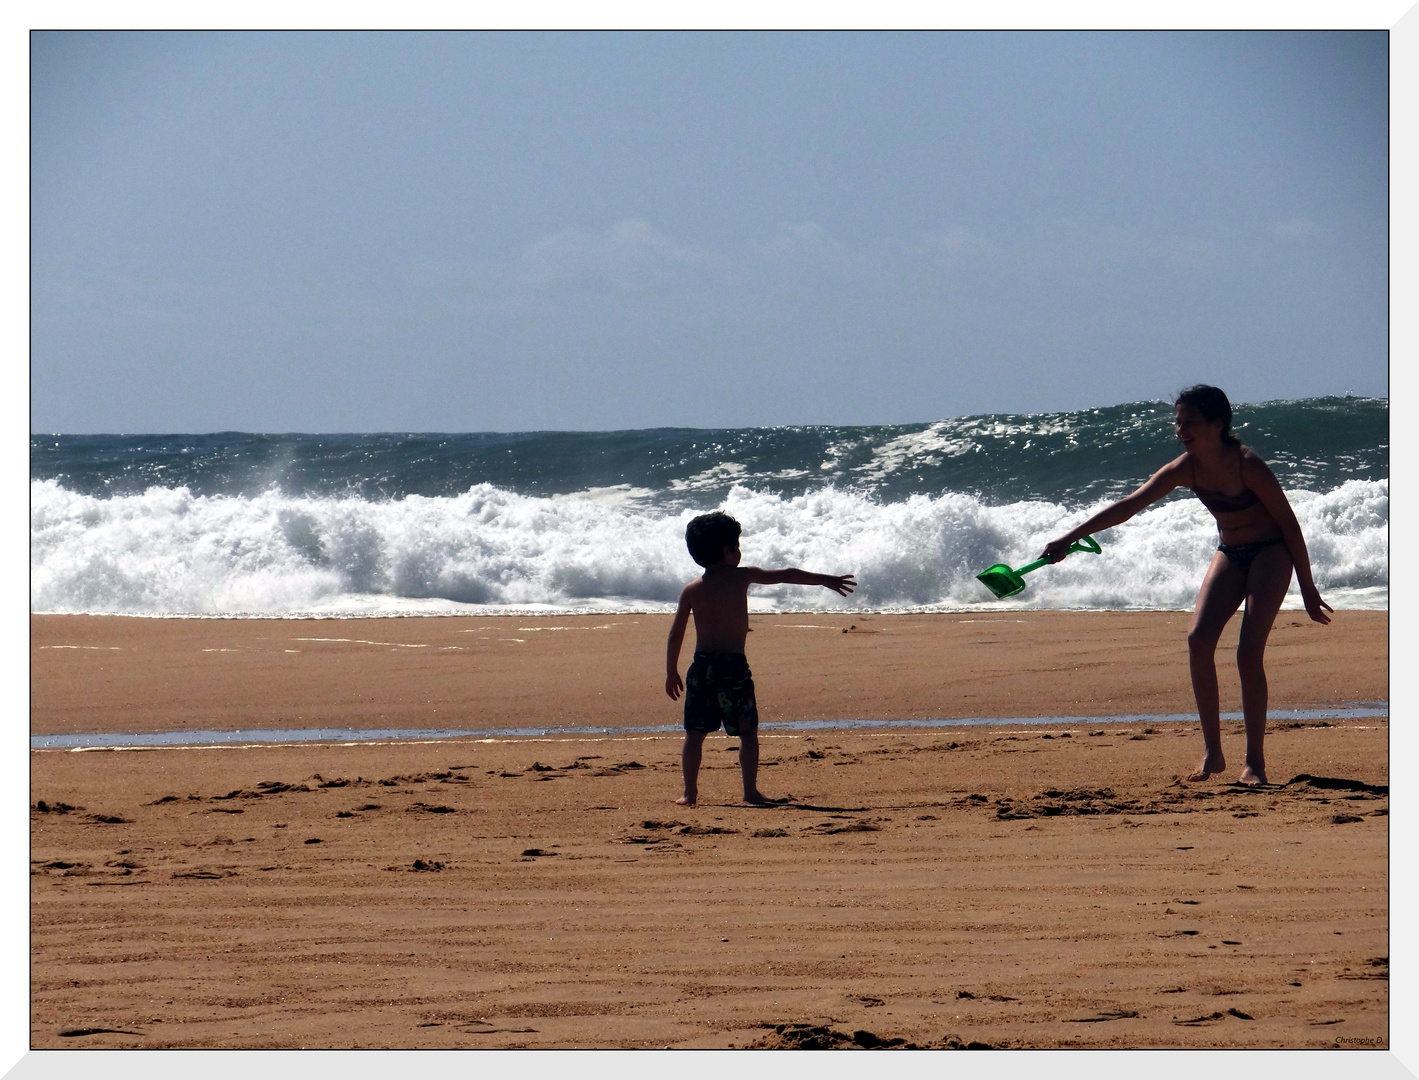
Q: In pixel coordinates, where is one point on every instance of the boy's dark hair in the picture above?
(1212, 403)
(709, 534)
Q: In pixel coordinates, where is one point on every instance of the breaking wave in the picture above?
(170, 551)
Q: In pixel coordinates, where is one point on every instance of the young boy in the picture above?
(719, 687)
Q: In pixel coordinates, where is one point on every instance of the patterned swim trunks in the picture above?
(719, 689)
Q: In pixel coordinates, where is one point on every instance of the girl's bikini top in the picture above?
(1219, 503)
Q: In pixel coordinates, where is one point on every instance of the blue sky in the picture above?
(365, 232)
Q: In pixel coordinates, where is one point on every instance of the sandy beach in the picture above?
(1009, 886)
(98, 673)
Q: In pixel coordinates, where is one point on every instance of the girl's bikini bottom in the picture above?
(1243, 554)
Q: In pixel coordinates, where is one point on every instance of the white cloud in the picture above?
(959, 240)
(805, 244)
(631, 256)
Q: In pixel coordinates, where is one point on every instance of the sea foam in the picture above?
(168, 551)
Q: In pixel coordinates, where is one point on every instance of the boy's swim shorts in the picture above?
(719, 689)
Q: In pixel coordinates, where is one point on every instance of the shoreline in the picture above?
(1291, 604)
(282, 737)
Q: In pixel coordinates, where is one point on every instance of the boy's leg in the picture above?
(749, 765)
(690, 755)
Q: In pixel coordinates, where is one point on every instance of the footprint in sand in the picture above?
(853, 827)
(1196, 1020)
(1104, 1017)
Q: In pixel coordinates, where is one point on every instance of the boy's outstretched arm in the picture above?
(842, 584)
(673, 685)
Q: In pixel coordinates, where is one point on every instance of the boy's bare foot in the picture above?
(755, 798)
(685, 800)
(1211, 764)
(1252, 777)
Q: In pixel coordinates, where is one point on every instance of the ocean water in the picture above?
(279, 736)
(235, 524)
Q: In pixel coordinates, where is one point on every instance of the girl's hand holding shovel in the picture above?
(1056, 550)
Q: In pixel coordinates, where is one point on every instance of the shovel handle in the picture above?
(1087, 543)
(1033, 566)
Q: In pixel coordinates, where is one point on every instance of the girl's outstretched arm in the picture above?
(1257, 475)
(1169, 477)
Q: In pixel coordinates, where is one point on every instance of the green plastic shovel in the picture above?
(1003, 581)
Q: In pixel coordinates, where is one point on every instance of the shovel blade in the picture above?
(1001, 580)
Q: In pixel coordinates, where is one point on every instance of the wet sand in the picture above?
(1046, 886)
(96, 673)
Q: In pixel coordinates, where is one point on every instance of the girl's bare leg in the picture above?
(1267, 581)
(1223, 589)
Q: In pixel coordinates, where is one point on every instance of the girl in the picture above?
(1260, 544)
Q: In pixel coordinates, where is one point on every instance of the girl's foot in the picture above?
(1211, 764)
(1252, 777)
(685, 800)
(754, 798)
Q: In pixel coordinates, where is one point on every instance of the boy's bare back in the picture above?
(719, 602)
